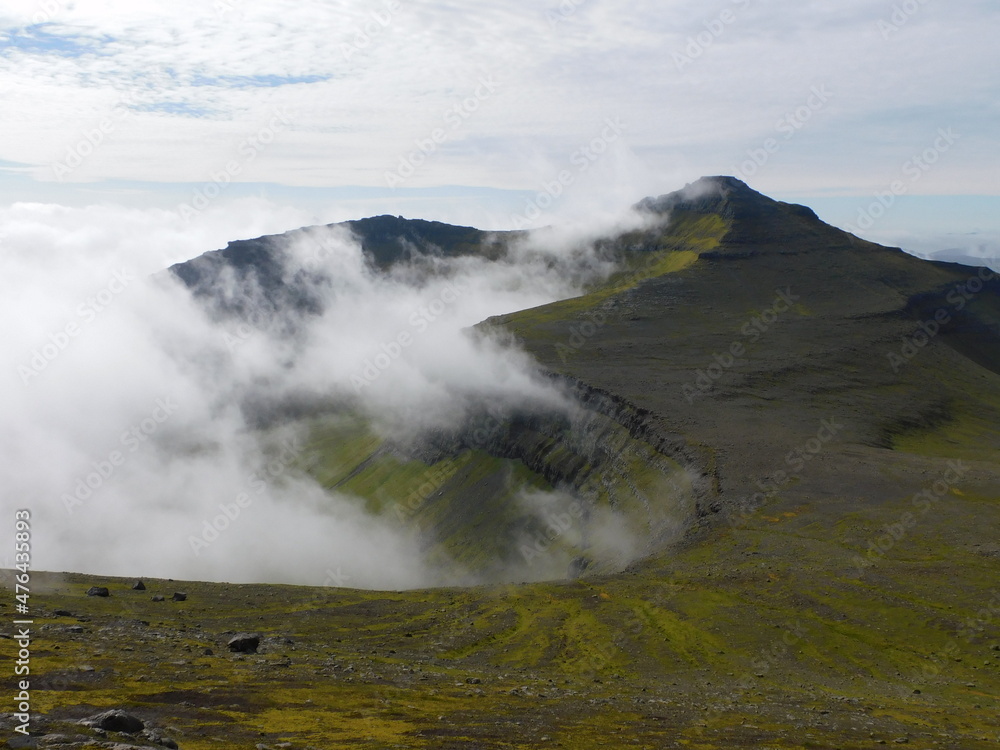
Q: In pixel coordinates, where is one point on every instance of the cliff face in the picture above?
(520, 495)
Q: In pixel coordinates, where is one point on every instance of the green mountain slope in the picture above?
(821, 413)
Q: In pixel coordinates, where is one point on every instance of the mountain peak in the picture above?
(724, 195)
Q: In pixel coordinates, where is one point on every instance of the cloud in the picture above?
(141, 421)
(363, 82)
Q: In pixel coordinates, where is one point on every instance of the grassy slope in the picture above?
(763, 633)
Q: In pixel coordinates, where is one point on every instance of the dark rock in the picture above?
(179, 596)
(62, 613)
(244, 643)
(98, 591)
(74, 629)
(157, 598)
(473, 681)
(208, 652)
(138, 586)
(157, 738)
(115, 720)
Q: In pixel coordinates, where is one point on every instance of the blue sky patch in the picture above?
(175, 108)
(255, 82)
(37, 39)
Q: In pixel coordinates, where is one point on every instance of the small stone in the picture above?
(98, 591)
(473, 681)
(208, 652)
(76, 629)
(179, 596)
(244, 643)
(158, 598)
(62, 613)
(138, 586)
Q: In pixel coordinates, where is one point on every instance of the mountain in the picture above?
(385, 241)
(788, 322)
(803, 426)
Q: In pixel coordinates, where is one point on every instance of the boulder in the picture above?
(244, 643)
(116, 720)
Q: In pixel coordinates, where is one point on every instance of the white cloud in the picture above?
(127, 405)
(385, 87)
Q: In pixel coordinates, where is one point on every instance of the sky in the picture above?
(880, 115)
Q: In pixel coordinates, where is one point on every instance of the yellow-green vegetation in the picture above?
(772, 635)
(665, 251)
